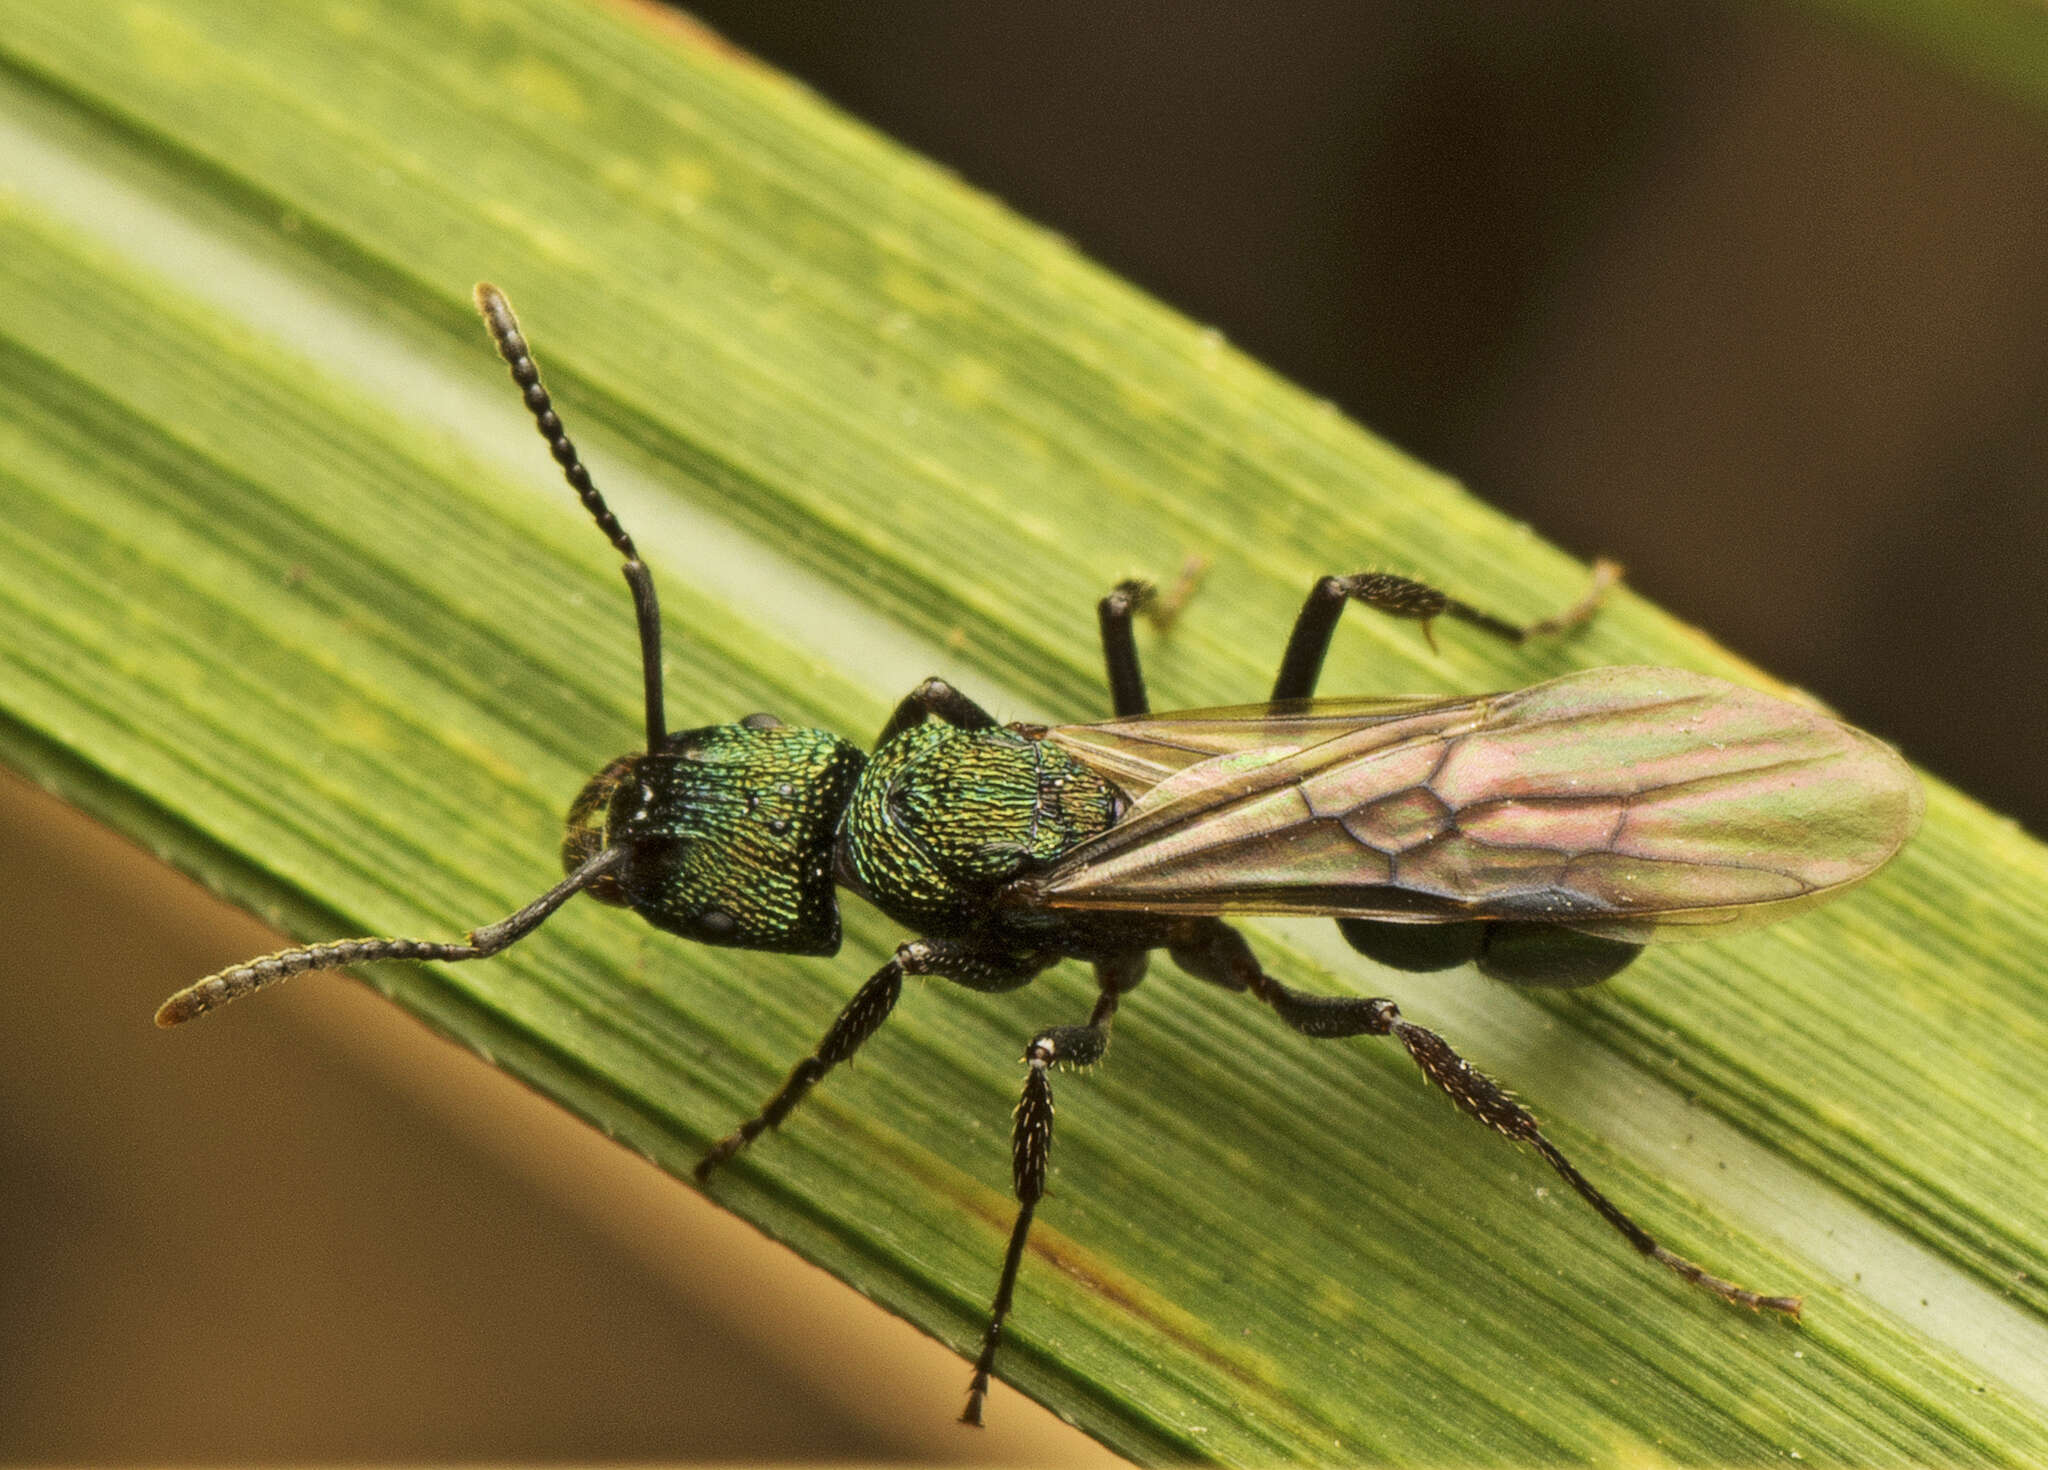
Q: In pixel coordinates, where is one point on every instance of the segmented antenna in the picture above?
(237, 981)
(504, 329)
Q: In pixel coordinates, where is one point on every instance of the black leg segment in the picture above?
(1302, 664)
(1030, 1147)
(863, 1016)
(1113, 615)
(1213, 951)
(935, 698)
(1031, 1141)
(1120, 649)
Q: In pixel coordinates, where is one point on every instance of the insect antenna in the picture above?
(238, 980)
(504, 329)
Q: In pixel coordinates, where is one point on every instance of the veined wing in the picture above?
(1143, 750)
(1617, 800)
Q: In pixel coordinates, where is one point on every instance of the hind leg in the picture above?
(1213, 951)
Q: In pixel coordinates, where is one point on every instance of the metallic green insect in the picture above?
(1544, 835)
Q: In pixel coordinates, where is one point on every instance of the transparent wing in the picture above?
(1140, 752)
(1620, 801)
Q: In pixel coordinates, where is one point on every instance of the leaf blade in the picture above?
(257, 503)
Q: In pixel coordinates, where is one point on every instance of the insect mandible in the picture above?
(1545, 834)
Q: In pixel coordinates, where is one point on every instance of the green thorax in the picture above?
(941, 817)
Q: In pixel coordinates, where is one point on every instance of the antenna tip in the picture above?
(500, 322)
(179, 1008)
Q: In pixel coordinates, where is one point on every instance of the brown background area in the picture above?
(314, 1232)
(1742, 297)
(1749, 301)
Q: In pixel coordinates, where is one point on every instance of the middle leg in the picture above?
(1031, 1142)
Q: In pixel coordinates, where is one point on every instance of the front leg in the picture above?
(1120, 650)
(935, 698)
(1113, 615)
(863, 1016)
(1399, 597)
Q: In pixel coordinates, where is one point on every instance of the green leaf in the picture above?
(290, 591)
(2001, 46)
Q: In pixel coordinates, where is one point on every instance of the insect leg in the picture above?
(863, 1016)
(935, 698)
(1214, 951)
(1120, 650)
(1399, 597)
(202, 996)
(1031, 1143)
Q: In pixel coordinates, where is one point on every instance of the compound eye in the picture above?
(761, 722)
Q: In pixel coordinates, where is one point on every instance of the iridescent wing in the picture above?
(1617, 801)
(1140, 752)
